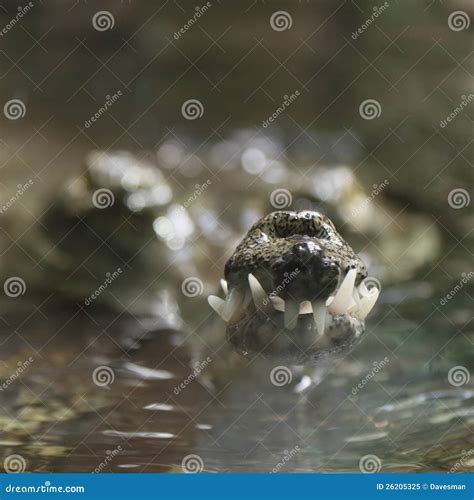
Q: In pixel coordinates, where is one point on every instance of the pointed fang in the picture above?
(343, 298)
(319, 316)
(260, 297)
(217, 304)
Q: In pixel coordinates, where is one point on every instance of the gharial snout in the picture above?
(307, 271)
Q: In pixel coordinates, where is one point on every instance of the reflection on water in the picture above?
(62, 415)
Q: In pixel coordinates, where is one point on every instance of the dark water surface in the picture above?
(406, 413)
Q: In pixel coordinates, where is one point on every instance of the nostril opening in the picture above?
(306, 250)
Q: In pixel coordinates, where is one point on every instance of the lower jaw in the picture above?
(256, 333)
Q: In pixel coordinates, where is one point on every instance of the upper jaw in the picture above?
(347, 299)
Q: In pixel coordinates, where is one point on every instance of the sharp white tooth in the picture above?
(224, 287)
(218, 305)
(278, 303)
(292, 309)
(232, 303)
(260, 297)
(319, 315)
(367, 302)
(343, 298)
(305, 307)
(355, 305)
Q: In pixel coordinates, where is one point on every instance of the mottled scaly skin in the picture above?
(304, 246)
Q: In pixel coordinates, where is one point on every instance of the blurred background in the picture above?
(140, 141)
